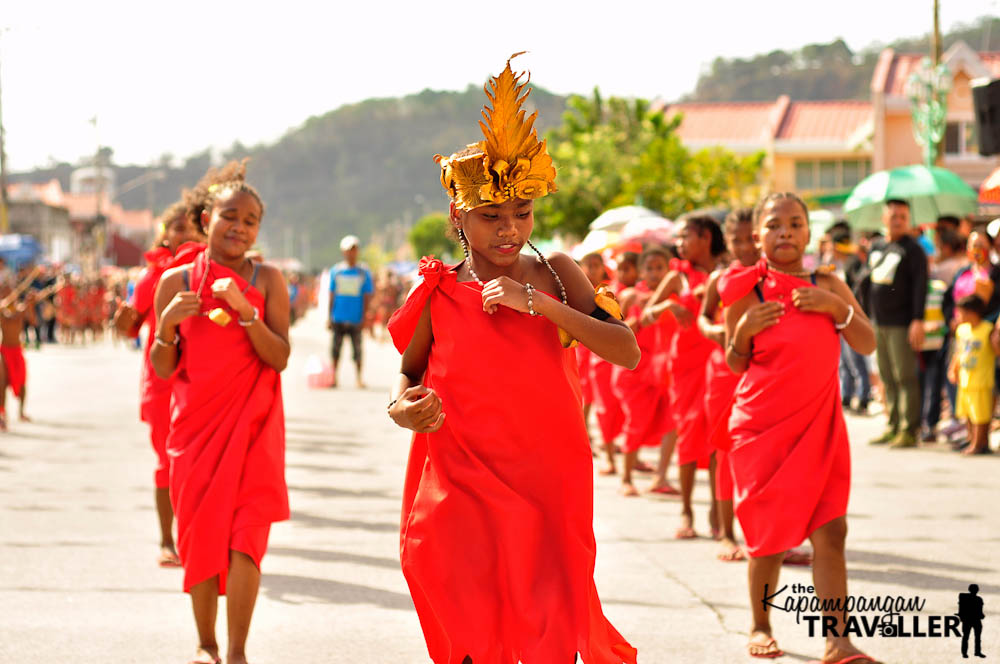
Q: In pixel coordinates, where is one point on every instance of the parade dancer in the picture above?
(177, 244)
(607, 407)
(790, 456)
(593, 266)
(497, 540)
(14, 315)
(700, 243)
(641, 391)
(222, 326)
(721, 381)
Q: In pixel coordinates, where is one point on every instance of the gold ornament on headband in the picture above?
(510, 162)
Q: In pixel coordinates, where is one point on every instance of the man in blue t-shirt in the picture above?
(351, 291)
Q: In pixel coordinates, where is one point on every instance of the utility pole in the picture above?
(936, 36)
(4, 207)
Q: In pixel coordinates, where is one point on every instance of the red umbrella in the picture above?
(989, 191)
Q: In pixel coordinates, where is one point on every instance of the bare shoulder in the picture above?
(830, 281)
(271, 274)
(560, 261)
(174, 277)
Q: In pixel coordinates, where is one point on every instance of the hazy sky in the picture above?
(183, 75)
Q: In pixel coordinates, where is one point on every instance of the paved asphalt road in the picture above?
(78, 580)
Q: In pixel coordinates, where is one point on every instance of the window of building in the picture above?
(960, 138)
(828, 174)
(831, 174)
(805, 175)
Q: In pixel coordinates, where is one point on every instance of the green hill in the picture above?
(353, 170)
(822, 71)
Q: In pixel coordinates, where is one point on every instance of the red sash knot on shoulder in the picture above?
(434, 274)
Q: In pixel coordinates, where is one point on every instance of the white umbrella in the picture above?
(649, 229)
(616, 218)
(594, 242)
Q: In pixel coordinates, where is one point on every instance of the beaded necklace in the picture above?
(472, 271)
(802, 273)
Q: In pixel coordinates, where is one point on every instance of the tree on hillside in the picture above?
(823, 71)
(428, 237)
(619, 152)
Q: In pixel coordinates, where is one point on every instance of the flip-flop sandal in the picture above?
(769, 655)
(735, 556)
(797, 557)
(685, 533)
(169, 560)
(665, 490)
(643, 467)
(847, 660)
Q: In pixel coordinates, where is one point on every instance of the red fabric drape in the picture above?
(154, 392)
(496, 542)
(642, 391)
(227, 439)
(689, 353)
(790, 455)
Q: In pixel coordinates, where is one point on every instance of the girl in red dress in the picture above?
(700, 243)
(642, 391)
(721, 381)
(790, 456)
(607, 407)
(177, 244)
(593, 266)
(497, 540)
(222, 326)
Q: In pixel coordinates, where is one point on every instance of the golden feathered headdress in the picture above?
(510, 162)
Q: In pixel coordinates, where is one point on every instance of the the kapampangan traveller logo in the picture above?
(887, 616)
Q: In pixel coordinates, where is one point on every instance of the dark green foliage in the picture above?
(429, 237)
(823, 71)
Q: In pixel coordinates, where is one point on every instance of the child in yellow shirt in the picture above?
(971, 369)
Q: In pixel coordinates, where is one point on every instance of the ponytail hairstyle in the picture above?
(706, 224)
(216, 183)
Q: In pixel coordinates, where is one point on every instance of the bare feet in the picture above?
(239, 658)
(361, 384)
(730, 551)
(629, 490)
(206, 655)
(763, 645)
(607, 469)
(23, 417)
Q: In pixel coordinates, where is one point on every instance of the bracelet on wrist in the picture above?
(847, 321)
(248, 323)
(163, 342)
(530, 290)
(732, 347)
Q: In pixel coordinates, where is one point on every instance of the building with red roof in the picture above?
(821, 149)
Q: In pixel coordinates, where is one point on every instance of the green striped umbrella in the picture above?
(932, 192)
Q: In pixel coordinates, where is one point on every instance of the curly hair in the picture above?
(174, 211)
(758, 210)
(216, 182)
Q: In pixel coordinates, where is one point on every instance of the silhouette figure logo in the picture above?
(970, 612)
